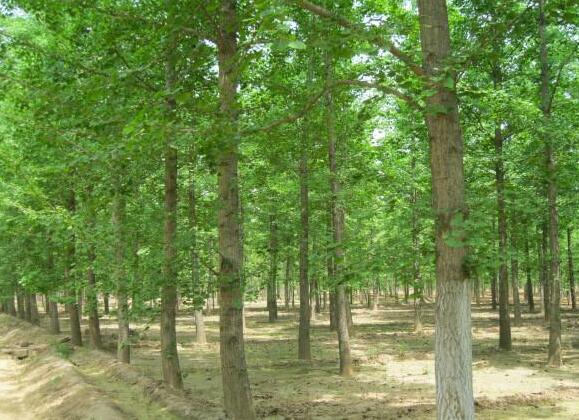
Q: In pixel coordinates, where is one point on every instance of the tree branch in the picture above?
(379, 41)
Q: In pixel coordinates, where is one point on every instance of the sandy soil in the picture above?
(394, 367)
(38, 381)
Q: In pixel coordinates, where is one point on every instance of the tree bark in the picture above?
(200, 336)
(53, 320)
(453, 348)
(530, 298)
(119, 275)
(272, 279)
(34, 318)
(236, 388)
(545, 273)
(20, 305)
(304, 348)
(570, 272)
(106, 309)
(515, 277)
(169, 355)
(554, 358)
(72, 304)
(505, 342)
(91, 292)
(337, 211)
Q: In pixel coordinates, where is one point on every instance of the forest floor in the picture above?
(394, 368)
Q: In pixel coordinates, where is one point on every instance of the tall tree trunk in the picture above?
(11, 308)
(554, 358)
(20, 304)
(91, 292)
(515, 276)
(545, 273)
(34, 317)
(530, 298)
(169, 356)
(570, 272)
(119, 275)
(27, 308)
(346, 366)
(286, 286)
(494, 302)
(304, 349)
(504, 319)
(414, 232)
(106, 308)
(200, 336)
(453, 348)
(236, 388)
(53, 320)
(272, 280)
(69, 279)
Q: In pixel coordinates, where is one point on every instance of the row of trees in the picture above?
(177, 150)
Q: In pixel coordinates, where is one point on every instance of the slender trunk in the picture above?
(304, 349)
(272, 280)
(286, 287)
(53, 320)
(515, 277)
(530, 299)
(169, 355)
(119, 276)
(346, 367)
(106, 309)
(554, 358)
(453, 348)
(200, 336)
(69, 279)
(494, 290)
(34, 318)
(91, 292)
(545, 274)
(504, 318)
(27, 308)
(570, 272)
(236, 388)
(20, 305)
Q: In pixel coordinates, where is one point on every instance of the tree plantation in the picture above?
(289, 209)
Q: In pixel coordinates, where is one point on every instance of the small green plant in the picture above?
(64, 350)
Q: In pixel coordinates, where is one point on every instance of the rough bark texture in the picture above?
(346, 367)
(529, 285)
(304, 348)
(53, 317)
(272, 280)
(34, 318)
(515, 277)
(554, 358)
(236, 389)
(453, 348)
(72, 305)
(545, 273)
(119, 277)
(20, 305)
(504, 319)
(169, 356)
(200, 336)
(106, 309)
(570, 272)
(91, 292)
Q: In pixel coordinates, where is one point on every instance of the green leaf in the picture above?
(297, 45)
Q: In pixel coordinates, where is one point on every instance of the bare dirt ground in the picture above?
(394, 367)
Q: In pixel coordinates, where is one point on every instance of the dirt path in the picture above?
(11, 405)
